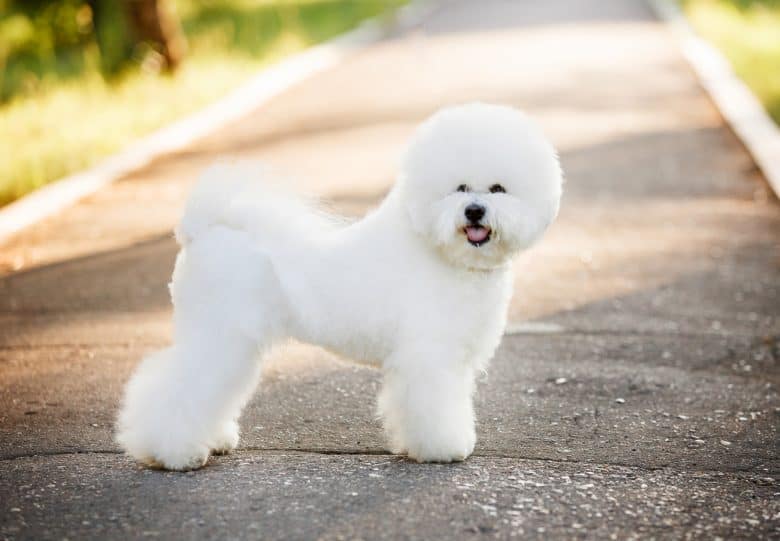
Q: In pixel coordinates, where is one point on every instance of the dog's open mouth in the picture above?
(477, 235)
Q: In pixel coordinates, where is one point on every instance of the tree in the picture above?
(121, 27)
(156, 23)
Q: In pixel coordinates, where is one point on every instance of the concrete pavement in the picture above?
(635, 397)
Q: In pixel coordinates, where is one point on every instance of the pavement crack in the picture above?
(319, 451)
(18, 456)
(502, 456)
(380, 452)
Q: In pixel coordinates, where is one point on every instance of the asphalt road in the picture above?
(635, 394)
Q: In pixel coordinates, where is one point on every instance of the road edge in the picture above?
(268, 83)
(735, 101)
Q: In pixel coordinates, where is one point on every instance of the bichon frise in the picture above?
(419, 287)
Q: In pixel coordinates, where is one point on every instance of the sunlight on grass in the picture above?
(748, 33)
(71, 122)
(77, 123)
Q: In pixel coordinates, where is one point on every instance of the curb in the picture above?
(736, 102)
(270, 82)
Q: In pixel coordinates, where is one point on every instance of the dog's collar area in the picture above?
(477, 234)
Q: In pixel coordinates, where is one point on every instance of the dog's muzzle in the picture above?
(476, 233)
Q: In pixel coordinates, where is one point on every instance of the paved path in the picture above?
(642, 398)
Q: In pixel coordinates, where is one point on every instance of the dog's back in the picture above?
(246, 197)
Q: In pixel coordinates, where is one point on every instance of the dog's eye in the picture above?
(497, 188)
(463, 188)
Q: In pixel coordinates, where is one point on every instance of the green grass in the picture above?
(748, 33)
(59, 114)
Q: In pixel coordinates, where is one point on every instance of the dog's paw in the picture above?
(227, 439)
(162, 447)
(441, 454)
(397, 448)
(395, 441)
(454, 448)
(183, 460)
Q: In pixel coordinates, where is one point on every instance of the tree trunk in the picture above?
(113, 34)
(121, 26)
(155, 22)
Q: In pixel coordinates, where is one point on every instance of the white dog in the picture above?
(420, 287)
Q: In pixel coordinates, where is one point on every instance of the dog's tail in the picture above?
(245, 196)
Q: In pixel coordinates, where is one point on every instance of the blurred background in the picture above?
(80, 79)
(748, 33)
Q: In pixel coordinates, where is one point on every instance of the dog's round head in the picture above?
(480, 182)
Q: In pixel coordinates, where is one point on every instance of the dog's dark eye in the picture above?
(497, 188)
(463, 188)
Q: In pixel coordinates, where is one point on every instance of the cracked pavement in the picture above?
(634, 396)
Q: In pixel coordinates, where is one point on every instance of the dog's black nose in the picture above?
(474, 212)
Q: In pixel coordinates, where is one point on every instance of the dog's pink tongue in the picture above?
(476, 234)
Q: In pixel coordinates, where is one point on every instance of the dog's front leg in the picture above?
(426, 405)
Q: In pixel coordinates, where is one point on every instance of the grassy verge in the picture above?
(748, 34)
(72, 117)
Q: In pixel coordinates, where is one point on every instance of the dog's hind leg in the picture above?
(184, 402)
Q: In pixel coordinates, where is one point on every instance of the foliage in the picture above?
(62, 111)
(748, 33)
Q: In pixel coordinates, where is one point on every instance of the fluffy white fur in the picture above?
(403, 288)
